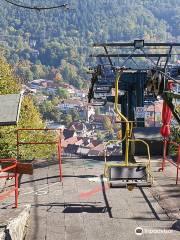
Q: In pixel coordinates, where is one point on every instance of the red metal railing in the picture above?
(165, 158)
(58, 143)
(12, 167)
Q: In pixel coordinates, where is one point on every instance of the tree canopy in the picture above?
(29, 118)
(42, 44)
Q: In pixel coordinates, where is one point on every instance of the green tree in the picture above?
(38, 71)
(108, 127)
(75, 115)
(67, 119)
(8, 83)
(29, 118)
(63, 93)
(107, 124)
(65, 48)
(100, 136)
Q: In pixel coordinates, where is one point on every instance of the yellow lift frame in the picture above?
(128, 139)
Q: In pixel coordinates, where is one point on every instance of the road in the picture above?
(83, 209)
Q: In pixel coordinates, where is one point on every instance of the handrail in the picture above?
(58, 143)
(147, 146)
(148, 152)
(177, 165)
(128, 130)
(15, 176)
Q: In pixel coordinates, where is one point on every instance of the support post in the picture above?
(60, 160)
(123, 124)
(16, 189)
(178, 165)
(164, 154)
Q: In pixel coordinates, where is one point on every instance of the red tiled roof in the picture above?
(77, 126)
(99, 147)
(71, 140)
(97, 151)
(90, 145)
(96, 142)
(79, 142)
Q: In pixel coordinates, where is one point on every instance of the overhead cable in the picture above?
(37, 8)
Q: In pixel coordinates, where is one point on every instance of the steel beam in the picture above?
(128, 44)
(123, 55)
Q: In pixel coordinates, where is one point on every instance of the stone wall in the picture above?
(14, 228)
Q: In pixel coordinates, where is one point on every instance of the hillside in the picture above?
(56, 43)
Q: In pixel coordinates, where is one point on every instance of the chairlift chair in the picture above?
(127, 174)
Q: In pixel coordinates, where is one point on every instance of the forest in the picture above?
(50, 43)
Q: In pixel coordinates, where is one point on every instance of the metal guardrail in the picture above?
(11, 168)
(165, 158)
(57, 143)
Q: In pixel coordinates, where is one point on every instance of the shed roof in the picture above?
(9, 109)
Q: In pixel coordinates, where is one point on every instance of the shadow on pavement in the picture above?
(149, 204)
(57, 176)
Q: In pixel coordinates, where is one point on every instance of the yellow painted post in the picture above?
(127, 134)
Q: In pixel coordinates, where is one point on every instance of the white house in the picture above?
(70, 104)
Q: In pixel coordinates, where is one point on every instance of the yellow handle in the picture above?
(128, 131)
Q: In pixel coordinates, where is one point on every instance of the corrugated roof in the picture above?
(9, 109)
